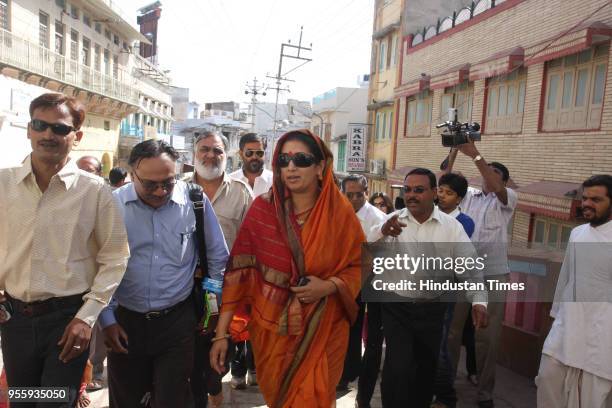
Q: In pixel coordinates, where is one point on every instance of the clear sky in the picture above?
(213, 47)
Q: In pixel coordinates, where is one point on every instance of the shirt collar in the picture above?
(361, 214)
(435, 215)
(67, 174)
(455, 213)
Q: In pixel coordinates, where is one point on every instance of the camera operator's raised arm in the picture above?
(492, 182)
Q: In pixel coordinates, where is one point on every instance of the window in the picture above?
(4, 15)
(86, 52)
(106, 62)
(418, 114)
(97, 57)
(115, 66)
(460, 97)
(554, 235)
(341, 163)
(506, 102)
(574, 90)
(43, 29)
(86, 20)
(74, 45)
(116, 39)
(59, 37)
(390, 125)
(382, 56)
(378, 127)
(107, 33)
(393, 52)
(107, 125)
(74, 11)
(98, 27)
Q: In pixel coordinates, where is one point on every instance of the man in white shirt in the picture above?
(491, 210)
(413, 328)
(576, 366)
(355, 188)
(253, 173)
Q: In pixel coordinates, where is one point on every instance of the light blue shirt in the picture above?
(163, 251)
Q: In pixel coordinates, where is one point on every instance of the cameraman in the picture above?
(491, 209)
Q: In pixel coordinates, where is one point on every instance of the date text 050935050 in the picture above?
(37, 394)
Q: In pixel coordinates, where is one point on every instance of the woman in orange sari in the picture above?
(294, 273)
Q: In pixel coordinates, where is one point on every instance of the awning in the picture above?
(555, 199)
(412, 87)
(451, 77)
(579, 39)
(498, 64)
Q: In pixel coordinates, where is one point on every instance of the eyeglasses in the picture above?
(249, 153)
(217, 151)
(358, 194)
(57, 128)
(300, 159)
(380, 204)
(152, 186)
(416, 190)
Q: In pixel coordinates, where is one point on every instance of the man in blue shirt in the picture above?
(452, 187)
(149, 325)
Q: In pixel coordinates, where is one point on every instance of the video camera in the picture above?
(457, 133)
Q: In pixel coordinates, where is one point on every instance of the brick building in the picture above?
(534, 74)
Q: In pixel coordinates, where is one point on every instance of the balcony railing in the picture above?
(25, 55)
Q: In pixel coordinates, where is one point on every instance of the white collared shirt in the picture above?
(491, 218)
(369, 217)
(438, 228)
(263, 182)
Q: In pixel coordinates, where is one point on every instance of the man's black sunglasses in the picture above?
(300, 159)
(249, 153)
(57, 128)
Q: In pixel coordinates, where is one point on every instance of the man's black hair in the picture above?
(149, 149)
(503, 169)
(249, 138)
(600, 180)
(117, 175)
(419, 171)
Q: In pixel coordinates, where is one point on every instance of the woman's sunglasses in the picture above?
(57, 128)
(299, 159)
(249, 153)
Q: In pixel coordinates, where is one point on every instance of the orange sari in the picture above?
(299, 348)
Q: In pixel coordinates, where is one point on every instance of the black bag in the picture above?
(196, 195)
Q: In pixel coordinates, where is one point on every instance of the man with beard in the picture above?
(150, 323)
(491, 209)
(253, 172)
(230, 199)
(63, 252)
(413, 322)
(576, 366)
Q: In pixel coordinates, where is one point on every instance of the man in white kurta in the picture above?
(576, 366)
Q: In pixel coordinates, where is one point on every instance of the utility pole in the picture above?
(280, 76)
(254, 90)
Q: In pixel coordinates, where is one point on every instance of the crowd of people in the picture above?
(176, 279)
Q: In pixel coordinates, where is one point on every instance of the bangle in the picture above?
(225, 336)
(336, 286)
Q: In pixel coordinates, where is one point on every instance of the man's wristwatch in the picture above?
(478, 157)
